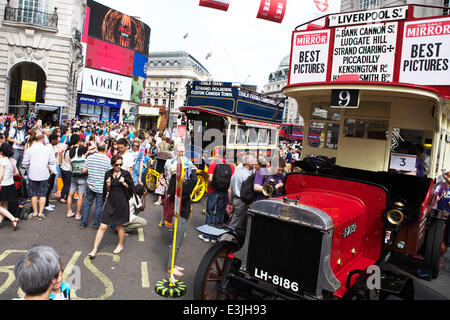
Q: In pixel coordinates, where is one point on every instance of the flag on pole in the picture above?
(215, 4)
(208, 55)
(272, 10)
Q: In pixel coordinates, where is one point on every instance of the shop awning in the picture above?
(46, 107)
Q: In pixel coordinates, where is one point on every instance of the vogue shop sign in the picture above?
(104, 84)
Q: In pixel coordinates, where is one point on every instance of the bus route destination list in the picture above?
(368, 51)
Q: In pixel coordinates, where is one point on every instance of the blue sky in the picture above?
(244, 49)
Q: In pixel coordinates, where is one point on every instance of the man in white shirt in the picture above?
(127, 156)
(136, 202)
(40, 161)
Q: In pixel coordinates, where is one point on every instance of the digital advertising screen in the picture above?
(108, 57)
(113, 26)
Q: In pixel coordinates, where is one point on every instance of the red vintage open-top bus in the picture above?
(378, 83)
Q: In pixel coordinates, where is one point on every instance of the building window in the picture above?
(164, 102)
(33, 11)
(446, 4)
(368, 4)
(156, 101)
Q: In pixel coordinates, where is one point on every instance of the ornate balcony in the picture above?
(31, 16)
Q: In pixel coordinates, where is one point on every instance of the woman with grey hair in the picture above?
(37, 272)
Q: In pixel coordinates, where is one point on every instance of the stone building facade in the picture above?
(40, 41)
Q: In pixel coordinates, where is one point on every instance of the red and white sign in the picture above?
(215, 4)
(321, 5)
(181, 131)
(426, 52)
(320, 8)
(258, 124)
(109, 57)
(309, 58)
(272, 10)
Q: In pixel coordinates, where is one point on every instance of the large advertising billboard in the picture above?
(113, 26)
(115, 47)
(105, 56)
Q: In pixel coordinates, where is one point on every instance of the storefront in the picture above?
(49, 114)
(98, 109)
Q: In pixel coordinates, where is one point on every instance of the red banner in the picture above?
(272, 10)
(215, 4)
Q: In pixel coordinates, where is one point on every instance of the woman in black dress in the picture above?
(117, 191)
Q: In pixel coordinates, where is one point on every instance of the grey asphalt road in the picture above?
(133, 274)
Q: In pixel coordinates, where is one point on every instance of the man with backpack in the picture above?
(218, 187)
(17, 138)
(77, 155)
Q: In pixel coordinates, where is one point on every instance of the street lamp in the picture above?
(170, 92)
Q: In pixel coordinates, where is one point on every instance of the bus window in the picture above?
(420, 143)
(315, 134)
(323, 112)
(241, 135)
(263, 137)
(252, 135)
(273, 137)
(232, 134)
(323, 135)
(332, 136)
(369, 129)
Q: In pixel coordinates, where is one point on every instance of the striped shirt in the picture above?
(97, 165)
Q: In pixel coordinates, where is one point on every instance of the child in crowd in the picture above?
(161, 188)
(62, 289)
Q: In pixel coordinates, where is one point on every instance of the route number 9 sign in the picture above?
(403, 162)
(343, 98)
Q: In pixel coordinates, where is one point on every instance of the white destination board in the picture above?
(309, 59)
(367, 51)
(368, 16)
(426, 52)
(403, 162)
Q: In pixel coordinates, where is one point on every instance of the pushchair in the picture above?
(16, 207)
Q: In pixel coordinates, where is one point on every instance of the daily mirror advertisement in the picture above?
(426, 52)
(309, 58)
